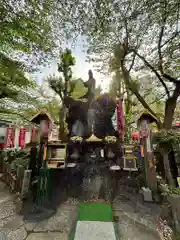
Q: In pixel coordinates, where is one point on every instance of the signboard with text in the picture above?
(22, 137)
(9, 138)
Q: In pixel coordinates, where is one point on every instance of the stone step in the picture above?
(94, 230)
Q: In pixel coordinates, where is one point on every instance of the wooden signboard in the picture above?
(10, 137)
(22, 137)
(129, 158)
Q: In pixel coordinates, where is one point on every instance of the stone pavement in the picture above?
(13, 225)
(136, 220)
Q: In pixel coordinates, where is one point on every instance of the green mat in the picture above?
(95, 212)
(101, 212)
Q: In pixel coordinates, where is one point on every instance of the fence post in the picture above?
(5, 171)
(8, 174)
(20, 175)
(26, 183)
(1, 162)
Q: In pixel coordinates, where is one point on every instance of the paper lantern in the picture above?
(135, 136)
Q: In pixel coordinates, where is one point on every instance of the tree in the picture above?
(143, 35)
(28, 103)
(12, 78)
(31, 34)
(67, 87)
(26, 27)
(61, 85)
(24, 33)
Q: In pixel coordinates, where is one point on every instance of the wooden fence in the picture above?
(16, 182)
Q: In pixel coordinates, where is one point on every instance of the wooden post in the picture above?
(8, 174)
(26, 183)
(20, 175)
(5, 171)
(149, 165)
(1, 161)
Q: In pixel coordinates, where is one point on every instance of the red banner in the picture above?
(22, 137)
(120, 118)
(9, 138)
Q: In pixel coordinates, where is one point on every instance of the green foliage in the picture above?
(29, 35)
(66, 62)
(168, 190)
(165, 137)
(15, 157)
(12, 78)
(62, 85)
(22, 28)
(24, 32)
(145, 35)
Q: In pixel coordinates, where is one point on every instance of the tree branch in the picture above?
(174, 35)
(132, 63)
(153, 70)
(136, 93)
(171, 79)
(159, 46)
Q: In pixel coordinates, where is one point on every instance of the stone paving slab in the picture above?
(18, 234)
(130, 229)
(47, 236)
(7, 208)
(30, 225)
(61, 221)
(88, 230)
(146, 218)
(13, 222)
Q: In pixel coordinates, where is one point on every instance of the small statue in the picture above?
(91, 85)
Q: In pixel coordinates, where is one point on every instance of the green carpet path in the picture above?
(94, 221)
(95, 212)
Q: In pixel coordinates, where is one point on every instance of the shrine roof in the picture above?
(42, 114)
(146, 115)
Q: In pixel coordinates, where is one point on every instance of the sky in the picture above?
(80, 70)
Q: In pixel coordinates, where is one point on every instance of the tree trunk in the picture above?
(167, 168)
(61, 122)
(169, 112)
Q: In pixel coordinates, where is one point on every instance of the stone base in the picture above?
(147, 194)
(174, 200)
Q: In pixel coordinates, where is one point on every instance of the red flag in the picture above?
(22, 137)
(120, 118)
(9, 138)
